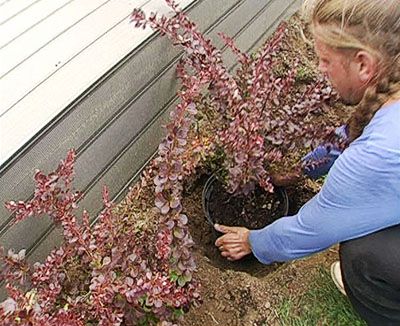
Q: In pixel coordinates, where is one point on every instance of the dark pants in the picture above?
(371, 276)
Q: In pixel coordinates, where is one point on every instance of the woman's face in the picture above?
(342, 69)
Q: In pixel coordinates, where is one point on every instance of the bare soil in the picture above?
(254, 211)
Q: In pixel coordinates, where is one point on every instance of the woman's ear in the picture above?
(366, 65)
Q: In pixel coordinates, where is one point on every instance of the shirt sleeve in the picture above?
(361, 195)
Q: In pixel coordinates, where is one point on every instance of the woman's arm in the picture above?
(361, 195)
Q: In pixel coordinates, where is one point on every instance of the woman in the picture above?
(358, 45)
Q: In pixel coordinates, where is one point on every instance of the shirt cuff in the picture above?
(257, 244)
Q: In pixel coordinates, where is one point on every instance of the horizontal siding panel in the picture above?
(18, 44)
(272, 12)
(60, 52)
(12, 8)
(238, 20)
(290, 11)
(58, 70)
(23, 22)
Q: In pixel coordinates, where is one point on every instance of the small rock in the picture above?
(229, 309)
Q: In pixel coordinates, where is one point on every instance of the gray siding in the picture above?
(115, 126)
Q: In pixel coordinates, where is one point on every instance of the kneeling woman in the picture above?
(358, 45)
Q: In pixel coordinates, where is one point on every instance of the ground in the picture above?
(247, 293)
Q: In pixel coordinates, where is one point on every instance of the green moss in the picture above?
(304, 75)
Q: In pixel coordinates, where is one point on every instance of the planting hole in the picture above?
(262, 204)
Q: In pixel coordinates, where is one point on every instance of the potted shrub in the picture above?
(254, 116)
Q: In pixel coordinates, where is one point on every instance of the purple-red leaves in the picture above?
(99, 273)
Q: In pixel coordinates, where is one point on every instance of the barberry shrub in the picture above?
(256, 114)
(120, 271)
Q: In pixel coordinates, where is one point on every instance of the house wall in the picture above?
(115, 125)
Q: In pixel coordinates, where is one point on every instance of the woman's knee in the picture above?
(375, 255)
(370, 270)
(360, 254)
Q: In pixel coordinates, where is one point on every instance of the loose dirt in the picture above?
(246, 292)
(254, 211)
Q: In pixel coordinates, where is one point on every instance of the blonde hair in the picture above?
(369, 25)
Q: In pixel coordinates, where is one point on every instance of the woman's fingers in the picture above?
(234, 244)
(230, 246)
(224, 228)
(232, 250)
(228, 238)
(234, 253)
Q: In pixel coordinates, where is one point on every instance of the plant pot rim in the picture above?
(206, 194)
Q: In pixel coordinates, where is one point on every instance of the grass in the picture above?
(321, 305)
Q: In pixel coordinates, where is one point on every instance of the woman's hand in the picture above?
(287, 179)
(234, 244)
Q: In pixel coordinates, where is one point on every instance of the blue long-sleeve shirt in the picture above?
(361, 195)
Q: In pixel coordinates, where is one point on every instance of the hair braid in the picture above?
(374, 98)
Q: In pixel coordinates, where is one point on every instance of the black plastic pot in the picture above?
(208, 192)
